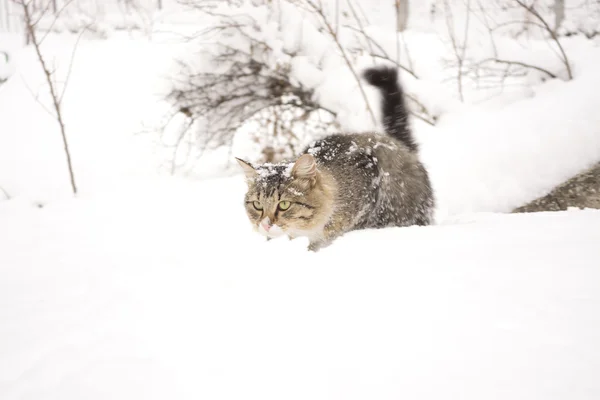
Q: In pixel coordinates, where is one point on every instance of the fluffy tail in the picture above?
(395, 114)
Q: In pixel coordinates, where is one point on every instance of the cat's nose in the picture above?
(266, 224)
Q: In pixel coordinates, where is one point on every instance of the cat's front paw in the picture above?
(316, 246)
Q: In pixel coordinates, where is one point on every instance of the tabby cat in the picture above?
(345, 182)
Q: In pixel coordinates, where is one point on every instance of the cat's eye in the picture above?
(257, 205)
(284, 205)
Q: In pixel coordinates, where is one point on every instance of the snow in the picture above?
(166, 292)
(148, 285)
(267, 170)
(527, 147)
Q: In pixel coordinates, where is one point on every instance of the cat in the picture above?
(345, 181)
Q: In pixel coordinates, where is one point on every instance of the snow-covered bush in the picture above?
(260, 67)
(244, 78)
(276, 73)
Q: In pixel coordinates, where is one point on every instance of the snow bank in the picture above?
(486, 159)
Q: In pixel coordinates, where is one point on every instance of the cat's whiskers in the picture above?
(269, 230)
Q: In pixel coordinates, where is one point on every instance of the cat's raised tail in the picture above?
(395, 113)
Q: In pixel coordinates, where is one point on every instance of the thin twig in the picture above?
(384, 55)
(36, 97)
(411, 66)
(71, 64)
(519, 63)
(360, 25)
(517, 22)
(455, 47)
(424, 115)
(547, 27)
(56, 15)
(486, 23)
(44, 10)
(319, 11)
(55, 100)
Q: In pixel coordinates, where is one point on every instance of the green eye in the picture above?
(284, 205)
(257, 205)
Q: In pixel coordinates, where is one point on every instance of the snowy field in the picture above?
(151, 286)
(164, 293)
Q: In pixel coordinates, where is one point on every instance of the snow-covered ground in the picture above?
(164, 292)
(151, 286)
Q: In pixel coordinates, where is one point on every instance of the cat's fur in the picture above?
(345, 182)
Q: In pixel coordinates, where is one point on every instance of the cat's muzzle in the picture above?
(269, 230)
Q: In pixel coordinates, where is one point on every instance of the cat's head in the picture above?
(288, 198)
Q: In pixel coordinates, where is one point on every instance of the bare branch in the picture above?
(384, 54)
(521, 64)
(422, 114)
(552, 34)
(318, 9)
(459, 52)
(36, 97)
(71, 64)
(53, 92)
(361, 29)
(485, 21)
(44, 10)
(56, 16)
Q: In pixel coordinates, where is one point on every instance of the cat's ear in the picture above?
(305, 167)
(249, 170)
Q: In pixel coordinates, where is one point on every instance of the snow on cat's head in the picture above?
(289, 198)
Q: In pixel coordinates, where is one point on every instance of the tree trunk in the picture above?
(581, 191)
(559, 13)
(401, 15)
